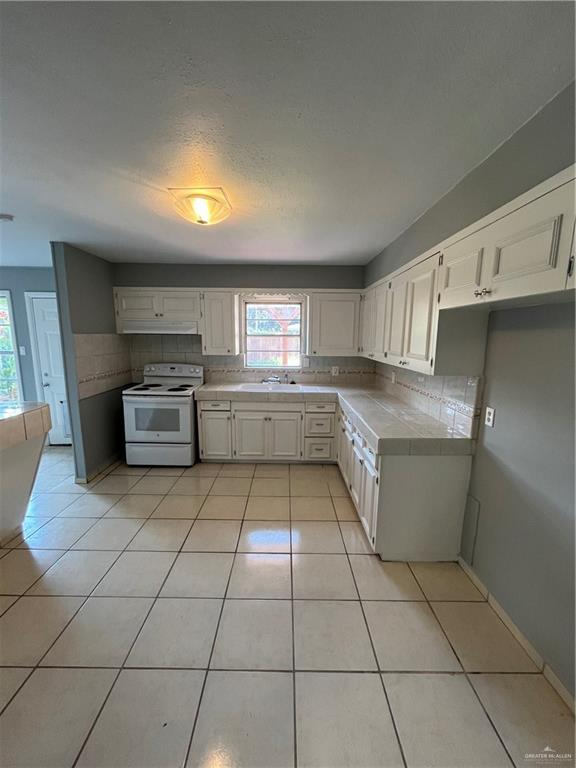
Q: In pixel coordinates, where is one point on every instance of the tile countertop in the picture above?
(23, 421)
(389, 425)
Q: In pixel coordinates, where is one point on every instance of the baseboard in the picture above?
(559, 687)
(104, 470)
(548, 673)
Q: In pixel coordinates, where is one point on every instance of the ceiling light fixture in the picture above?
(6, 217)
(203, 206)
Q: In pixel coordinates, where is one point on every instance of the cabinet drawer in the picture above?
(214, 405)
(320, 407)
(321, 448)
(319, 424)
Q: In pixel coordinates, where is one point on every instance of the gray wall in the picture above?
(84, 288)
(523, 478)
(238, 276)
(18, 280)
(541, 148)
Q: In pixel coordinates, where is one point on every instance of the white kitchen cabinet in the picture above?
(181, 304)
(220, 335)
(368, 510)
(380, 299)
(368, 323)
(284, 436)
(161, 306)
(250, 435)
(345, 447)
(215, 435)
(420, 296)
(525, 253)
(356, 474)
(334, 321)
(135, 305)
(396, 318)
(262, 434)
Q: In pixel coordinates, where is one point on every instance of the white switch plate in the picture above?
(334, 370)
(22, 351)
(489, 417)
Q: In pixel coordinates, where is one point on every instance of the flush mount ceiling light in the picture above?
(205, 206)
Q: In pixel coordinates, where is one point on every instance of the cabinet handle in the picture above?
(485, 291)
(477, 293)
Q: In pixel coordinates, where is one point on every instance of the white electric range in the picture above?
(159, 423)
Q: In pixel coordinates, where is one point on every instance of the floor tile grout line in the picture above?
(295, 719)
(390, 712)
(428, 603)
(209, 661)
(37, 666)
(132, 644)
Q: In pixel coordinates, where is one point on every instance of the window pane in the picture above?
(5, 339)
(8, 367)
(8, 390)
(273, 359)
(278, 343)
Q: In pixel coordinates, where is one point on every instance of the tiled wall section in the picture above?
(454, 400)
(102, 362)
(220, 370)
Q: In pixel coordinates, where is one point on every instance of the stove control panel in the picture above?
(174, 369)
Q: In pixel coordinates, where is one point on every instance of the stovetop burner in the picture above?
(179, 388)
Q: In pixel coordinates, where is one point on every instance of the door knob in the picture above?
(45, 385)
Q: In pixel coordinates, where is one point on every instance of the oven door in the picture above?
(158, 420)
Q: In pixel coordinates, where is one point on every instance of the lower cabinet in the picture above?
(263, 435)
(215, 435)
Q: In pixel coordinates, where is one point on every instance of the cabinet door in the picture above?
(219, 334)
(368, 322)
(285, 436)
(369, 507)
(179, 305)
(380, 296)
(528, 251)
(461, 272)
(334, 324)
(396, 318)
(250, 432)
(136, 305)
(356, 476)
(215, 435)
(421, 292)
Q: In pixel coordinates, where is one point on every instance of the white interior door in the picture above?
(45, 336)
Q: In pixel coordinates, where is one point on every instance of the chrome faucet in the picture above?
(271, 380)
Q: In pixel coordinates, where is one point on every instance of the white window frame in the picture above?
(276, 298)
(7, 295)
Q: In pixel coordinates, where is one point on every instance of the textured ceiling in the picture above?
(331, 126)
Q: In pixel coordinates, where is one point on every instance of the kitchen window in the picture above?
(273, 333)
(10, 387)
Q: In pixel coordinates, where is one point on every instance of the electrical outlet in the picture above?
(393, 377)
(334, 370)
(305, 362)
(489, 417)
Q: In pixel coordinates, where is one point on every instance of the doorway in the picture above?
(42, 310)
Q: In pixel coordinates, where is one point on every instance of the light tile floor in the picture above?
(228, 615)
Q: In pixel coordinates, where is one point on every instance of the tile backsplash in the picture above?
(353, 371)
(102, 362)
(454, 400)
(107, 361)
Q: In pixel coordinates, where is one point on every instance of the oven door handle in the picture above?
(156, 401)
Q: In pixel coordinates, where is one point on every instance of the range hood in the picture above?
(158, 326)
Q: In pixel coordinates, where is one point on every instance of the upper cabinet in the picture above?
(219, 327)
(409, 317)
(525, 253)
(368, 323)
(334, 323)
(157, 310)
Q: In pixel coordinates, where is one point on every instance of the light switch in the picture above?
(489, 417)
(334, 370)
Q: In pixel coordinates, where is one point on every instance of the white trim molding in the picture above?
(542, 665)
